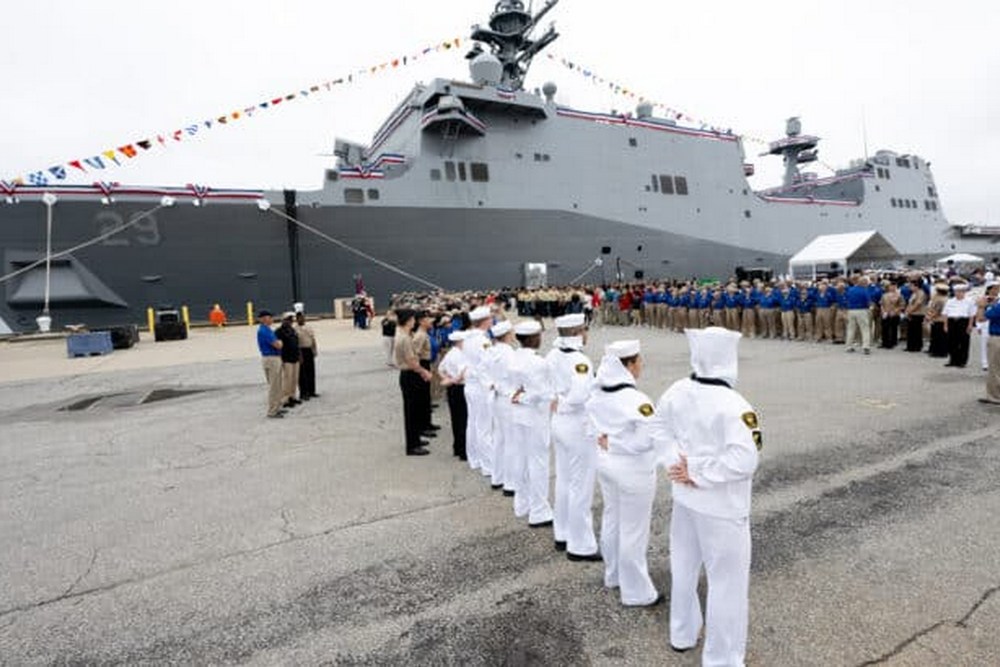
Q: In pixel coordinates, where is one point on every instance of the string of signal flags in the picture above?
(120, 155)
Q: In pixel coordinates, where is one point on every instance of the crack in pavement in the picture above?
(180, 567)
(917, 636)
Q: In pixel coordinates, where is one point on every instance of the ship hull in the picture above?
(232, 254)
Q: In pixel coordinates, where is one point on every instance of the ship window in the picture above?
(449, 171)
(893, 202)
(930, 192)
(681, 185)
(435, 174)
(746, 214)
(656, 184)
(648, 189)
(666, 185)
(480, 172)
(878, 172)
(878, 188)
(538, 157)
(332, 175)
(461, 171)
(373, 194)
(632, 142)
(546, 157)
(354, 196)
(888, 176)
(518, 156)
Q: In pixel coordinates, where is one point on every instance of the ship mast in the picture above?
(509, 40)
(796, 148)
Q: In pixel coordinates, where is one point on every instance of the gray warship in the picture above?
(467, 185)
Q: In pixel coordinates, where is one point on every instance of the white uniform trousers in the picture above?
(576, 470)
(499, 416)
(984, 338)
(534, 441)
(505, 456)
(479, 430)
(628, 486)
(723, 547)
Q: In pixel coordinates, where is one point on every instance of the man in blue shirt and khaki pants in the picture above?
(270, 353)
(989, 309)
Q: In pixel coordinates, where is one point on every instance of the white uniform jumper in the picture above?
(530, 415)
(499, 361)
(627, 474)
(718, 431)
(572, 375)
(479, 431)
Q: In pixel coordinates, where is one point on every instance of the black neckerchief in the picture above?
(711, 381)
(567, 350)
(618, 387)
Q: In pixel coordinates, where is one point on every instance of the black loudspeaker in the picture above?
(123, 337)
(169, 331)
(834, 266)
(911, 262)
(606, 250)
(639, 275)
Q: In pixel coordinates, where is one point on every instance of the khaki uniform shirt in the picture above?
(422, 345)
(306, 336)
(403, 351)
(918, 303)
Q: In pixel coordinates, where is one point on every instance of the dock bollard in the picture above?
(187, 318)
(151, 320)
(249, 313)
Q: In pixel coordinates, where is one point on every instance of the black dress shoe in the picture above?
(496, 487)
(660, 599)
(588, 558)
(419, 451)
(428, 434)
(676, 649)
(508, 493)
(304, 398)
(433, 427)
(560, 545)
(540, 524)
(463, 457)
(424, 443)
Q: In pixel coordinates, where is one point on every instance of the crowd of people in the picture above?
(512, 406)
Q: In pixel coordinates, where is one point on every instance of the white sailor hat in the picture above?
(501, 328)
(480, 313)
(990, 283)
(714, 353)
(622, 349)
(528, 328)
(288, 315)
(571, 321)
(960, 287)
(457, 336)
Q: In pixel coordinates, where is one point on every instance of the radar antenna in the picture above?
(508, 37)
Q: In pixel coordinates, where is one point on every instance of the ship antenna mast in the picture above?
(508, 37)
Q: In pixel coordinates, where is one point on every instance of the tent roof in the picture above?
(853, 246)
(960, 258)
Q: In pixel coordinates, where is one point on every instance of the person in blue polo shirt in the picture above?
(989, 309)
(270, 353)
(787, 302)
(858, 297)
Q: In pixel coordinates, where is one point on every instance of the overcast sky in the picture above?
(83, 76)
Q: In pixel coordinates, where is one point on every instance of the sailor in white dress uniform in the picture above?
(712, 437)
(478, 439)
(572, 374)
(497, 364)
(621, 420)
(532, 402)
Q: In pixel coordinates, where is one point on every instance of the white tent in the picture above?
(840, 251)
(961, 258)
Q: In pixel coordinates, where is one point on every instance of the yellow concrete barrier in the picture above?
(249, 313)
(151, 320)
(186, 316)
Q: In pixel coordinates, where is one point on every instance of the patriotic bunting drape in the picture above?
(128, 151)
